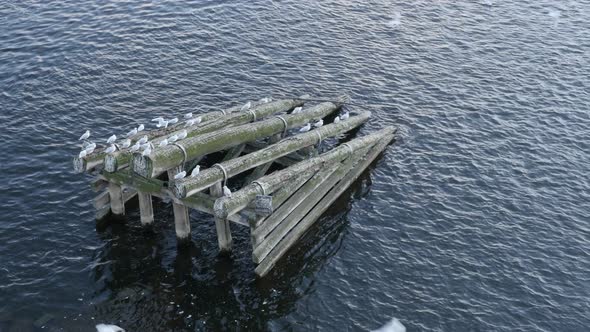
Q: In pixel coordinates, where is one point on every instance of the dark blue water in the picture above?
(476, 219)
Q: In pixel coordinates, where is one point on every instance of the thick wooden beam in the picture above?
(188, 186)
(226, 206)
(116, 199)
(146, 210)
(163, 158)
(224, 239)
(288, 241)
(182, 223)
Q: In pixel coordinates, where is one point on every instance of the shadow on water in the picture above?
(141, 277)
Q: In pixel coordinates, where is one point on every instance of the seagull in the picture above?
(158, 119)
(188, 115)
(143, 140)
(182, 134)
(82, 154)
(173, 138)
(135, 147)
(336, 119)
(145, 146)
(85, 135)
(345, 116)
(226, 191)
(132, 132)
(190, 122)
(297, 110)
(319, 123)
(126, 143)
(195, 171)
(393, 325)
(147, 151)
(140, 127)
(162, 123)
(108, 328)
(164, 142)
(180, 175)
(89, 149)
(265, 100)
(112, 139)
(305, 128)
(90, 145)
(246, 106)
(111, 149)
(173, 121)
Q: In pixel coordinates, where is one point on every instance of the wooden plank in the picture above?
(116, 199)
(101, 200)
(224, 238)
(182, 223)
(146, 210)
(234, 152)
(288, 241)
(98, 184)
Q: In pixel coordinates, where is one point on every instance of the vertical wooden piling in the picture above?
(116, 199)
(181, 219)
(224, 239)
(146, 211)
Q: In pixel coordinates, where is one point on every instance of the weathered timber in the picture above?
(226, 206)
(204, 203)
(146, 210)
(101, 200)
(103, 210)
(234, 152)
(280, 223)
(262, 169)
(224, 238)
(322, 205)
(163, 158)
(188, 186)
(119, 158)
(182, 223)
(116, 199)
(98, 184)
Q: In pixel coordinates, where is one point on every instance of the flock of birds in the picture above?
(143, 144)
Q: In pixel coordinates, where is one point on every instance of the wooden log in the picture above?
(146, 210)
(224, 238)
(262, 169)
(188, 186)
(163, 158)
(286, 218)
(182, 223)
(116, 199)
(98, 184)
(101, 200)
(240, 199)
(286, 243)
(234, 152)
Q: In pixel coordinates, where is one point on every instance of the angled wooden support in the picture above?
(262, 169)
(182, 223)
(234, 152)
(322, 204)
(224, 239)
(116, 199)
(146, 210)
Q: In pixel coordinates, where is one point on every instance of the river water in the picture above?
(476, 219)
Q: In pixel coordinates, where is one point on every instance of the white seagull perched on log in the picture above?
(173, 138)
(345, 116)
(147, 151)
(297, 110)
(132, 132)
(85, 135)
(164, 142)
(246, 106)
(162, 123)
(112, 139)
(108, 328)
(82, 154)
(158, 119)
(173, 121)
(188, 115)
(195, 171)
(90, 145)
(226, 191)
(143, 140)
(141, 127)
(111, 149)
(305, 128)
(319, 123)
(336, 119)
(90, 148)
(183, 134)
(126, 143)
(180, 175)
(135, 147)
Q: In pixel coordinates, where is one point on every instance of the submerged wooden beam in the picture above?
(226, 206)
(191, 185)
(169, 156)
(322, 205)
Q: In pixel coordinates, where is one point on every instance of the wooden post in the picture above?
(146, 211)
(322, 205)
(163, 158)
(189, 186)
(224, 239)
(182, 223)
(116, 199)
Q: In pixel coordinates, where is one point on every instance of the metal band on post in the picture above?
(260, 186)
(284, 123)
(222, 112)
(224, 173)
(116, 146)
(349, 149)
(184, 155)
(253, 115)
(319, 136)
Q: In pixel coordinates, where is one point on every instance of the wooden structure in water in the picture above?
(277, 207)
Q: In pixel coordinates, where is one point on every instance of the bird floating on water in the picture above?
(226, 191)
(147, 151)
(188, 115)
(173, 138)
(126, 143)
(393, 325)
(195, 171)
(246, 106)
(173, 121)
(111, 149)
(305, 128)
(336, 119)
(132, 132)
(85, 135)
(183, 134)
(345, 116)
(82, 154)
(143, 139)
(112, 139)
(158, 119)
(141, 127)
(297, 110)
(108, 328)
(180, 175)
(319, 123)
(164, 142)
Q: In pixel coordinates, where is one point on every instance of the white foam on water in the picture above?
(394, 325)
